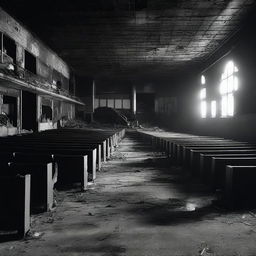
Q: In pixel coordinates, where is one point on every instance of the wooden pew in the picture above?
(41, 183)
(59, 142)
(184, 148)
(101, 146)
(240, 189)
(205, 159)
(68, 168)
(72, 168)
(32, 157)
(218, 168)
(174, 143)
(62, 150)
(194, 163)
(190, 152)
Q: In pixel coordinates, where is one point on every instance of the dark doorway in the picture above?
(145, 106)
(10, 109)
(29, 108)
(30, 62)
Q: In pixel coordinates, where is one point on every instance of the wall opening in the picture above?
(29, 107)
(145, 107)
(9, 50)
(9, 108)
(30, 62)
(46, 114)
(72, 86)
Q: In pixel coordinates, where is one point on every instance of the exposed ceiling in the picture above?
(132, 38)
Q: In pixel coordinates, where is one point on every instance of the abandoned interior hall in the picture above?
(128, 128)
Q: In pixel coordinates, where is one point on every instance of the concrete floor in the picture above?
(138, 206)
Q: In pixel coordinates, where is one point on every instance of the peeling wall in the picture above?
(28, 41)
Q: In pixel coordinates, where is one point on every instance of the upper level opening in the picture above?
(30, 62)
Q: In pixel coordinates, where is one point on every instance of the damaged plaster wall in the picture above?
(59, 111)
(29, 42)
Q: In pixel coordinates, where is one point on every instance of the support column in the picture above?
(93, 99)
(134, 99)
(20, 58)
(2, 48)
(1, 103)
(39, 110)
(19, 112)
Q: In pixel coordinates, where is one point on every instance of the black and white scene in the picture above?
(128, 128)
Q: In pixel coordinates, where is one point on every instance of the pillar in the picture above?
(134, 99)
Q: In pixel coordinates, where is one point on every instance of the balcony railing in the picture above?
(7, 67)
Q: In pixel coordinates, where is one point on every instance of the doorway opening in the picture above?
(30, 62)
(9, 49)
(29, 111)
(145, 106)
(9, 108)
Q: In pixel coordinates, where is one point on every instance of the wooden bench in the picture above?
(194, 163)
(72, 169)
(41, 158)
(189, 157)
(41, 183)
(56, 150)
(100, 146)
(205, 159)
(184, 155)
(240, 189)
(218, 168)
(57, 142)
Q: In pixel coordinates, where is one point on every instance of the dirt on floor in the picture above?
(139, 205)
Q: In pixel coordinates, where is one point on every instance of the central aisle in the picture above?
(139, 206)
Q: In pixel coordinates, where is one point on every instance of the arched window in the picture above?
(228, 85)
(203, 103)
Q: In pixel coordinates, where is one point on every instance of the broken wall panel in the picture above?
(68, 110)
(27, 40)
(44, 71)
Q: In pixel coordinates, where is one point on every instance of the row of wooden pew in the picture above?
(32, 165)
(227, 166)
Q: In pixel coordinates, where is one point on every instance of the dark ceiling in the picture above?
(132, 38)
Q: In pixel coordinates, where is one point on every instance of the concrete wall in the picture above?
(111, 100)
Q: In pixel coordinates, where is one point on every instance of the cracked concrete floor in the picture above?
(139, 206)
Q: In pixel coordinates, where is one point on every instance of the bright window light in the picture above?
(203, 109)
(235, 83)
(202, 79)
(228, 84)
(223, 87)
(213, 109)
(230, 104)
(203, 93)
(224, 104)
(230, 68)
